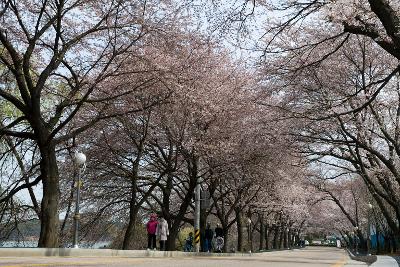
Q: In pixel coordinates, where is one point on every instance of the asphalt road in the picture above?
(311, 256)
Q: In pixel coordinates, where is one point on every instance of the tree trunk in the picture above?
(281, 238)
(174, 227)
(378, 247)
(266, 235)
(362, 242)
(261, 247)
(133, 209)
(291, 244)
(49, 206)
(387, 243)
(275, 241)
(130, 230)
(173, 233)
(250, 229)
(225, 249)
(239, 230)
(187, 198)
(285, 238)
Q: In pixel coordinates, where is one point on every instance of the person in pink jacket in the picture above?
(151, 232)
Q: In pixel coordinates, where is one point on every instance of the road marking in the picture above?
(340, 263)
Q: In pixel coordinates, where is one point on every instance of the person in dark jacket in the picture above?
(208, 237)
(189, 243)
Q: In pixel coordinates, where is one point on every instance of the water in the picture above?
(33, 244)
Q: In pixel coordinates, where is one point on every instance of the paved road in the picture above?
(312, 256)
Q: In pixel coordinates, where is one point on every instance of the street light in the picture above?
(249, 235)
(80, 160)
(370, 207)
(197, 207)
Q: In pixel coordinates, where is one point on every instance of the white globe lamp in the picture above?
(80, 158)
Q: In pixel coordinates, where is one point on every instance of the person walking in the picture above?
(151, 227)
(219, 238)
(209, 234)
(162, 232)
(189, 243)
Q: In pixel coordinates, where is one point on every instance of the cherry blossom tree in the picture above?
(57, 53)
(349, 134)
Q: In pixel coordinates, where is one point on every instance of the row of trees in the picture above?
(300, 143)
(342, 87)
(155, 106)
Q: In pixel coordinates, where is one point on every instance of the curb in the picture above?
(79, 252)
(369, 259)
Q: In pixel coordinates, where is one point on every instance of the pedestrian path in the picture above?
(306, 257)
(385, 261)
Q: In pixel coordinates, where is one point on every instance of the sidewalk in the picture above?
(85, 252)
(385, 261)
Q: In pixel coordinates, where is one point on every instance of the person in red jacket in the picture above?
(151, 232)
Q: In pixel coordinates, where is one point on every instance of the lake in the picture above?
(33, 244)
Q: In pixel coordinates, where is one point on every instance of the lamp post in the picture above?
(197, 193)
(80, 160)
(249, 235)
(370, 207)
